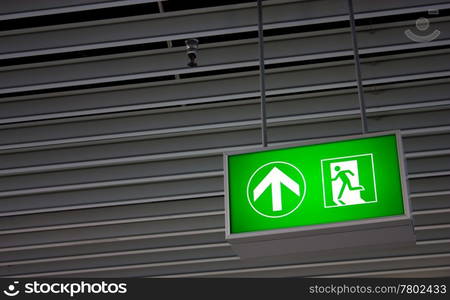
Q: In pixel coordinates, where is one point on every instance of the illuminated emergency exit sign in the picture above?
(352, 182)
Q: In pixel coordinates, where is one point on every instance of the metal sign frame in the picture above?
(306, 230)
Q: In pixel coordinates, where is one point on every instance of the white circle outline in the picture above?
(288, 213)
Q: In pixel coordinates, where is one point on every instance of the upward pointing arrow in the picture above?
(276, 178)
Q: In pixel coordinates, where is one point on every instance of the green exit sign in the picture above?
(331, 186)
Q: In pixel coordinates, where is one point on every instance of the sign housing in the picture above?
(322, 195)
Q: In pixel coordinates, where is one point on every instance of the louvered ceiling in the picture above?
(111, 147)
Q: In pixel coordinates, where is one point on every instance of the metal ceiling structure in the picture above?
(111, 146)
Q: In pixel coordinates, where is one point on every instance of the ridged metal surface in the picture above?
(110, 163)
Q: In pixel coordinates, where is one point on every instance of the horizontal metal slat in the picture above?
(132, 149)
(109, 184)
(435, 140)
(425, 261)
(86, 179)
(137, 134)
(222, 260)
(373, 89)
(173, 59)
(144, 200)
(160, 269)
(146, 170)
(143, 256)
(209, 183)
(402, 66)
(331, 261)
(245, 83)
(97, 223)
(402, 273)
(432, 232)
(304, 103)
(271, 16)
(243, 115)
(422, 144)
(240, 83)
(83, 219)
(230, 66)
(436, 245)
(110, 204)
(422, 204)
(429, 164)
(429, 184)
(247, 136)
(16, 7)
(156, 210)
(298, 269)
(23, 9)
(429, 248)
(435, 183)
(108, 240)
(212, 90)
(377, 124)
(69, 258)
(69, 204)
(187, 222)
(161, 25)
(320, 46)
(432, 200)
(432, 216)
(138, 211)
(120, 244)
(121, 253)
(13, 10)
(136, 184)
(207, 241)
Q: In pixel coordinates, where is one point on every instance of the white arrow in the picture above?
(275, 178)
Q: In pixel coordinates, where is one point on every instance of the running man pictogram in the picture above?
(345, 181)
(348, 180)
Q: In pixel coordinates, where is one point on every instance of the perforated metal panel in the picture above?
(111, 147)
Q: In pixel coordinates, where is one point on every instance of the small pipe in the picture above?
(362, 104)
(262, 79)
